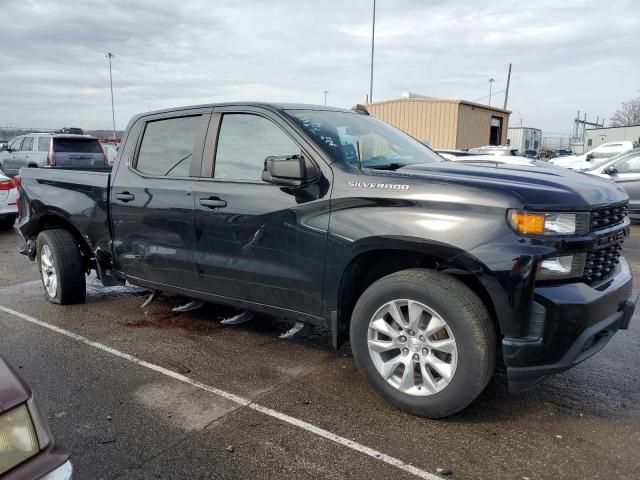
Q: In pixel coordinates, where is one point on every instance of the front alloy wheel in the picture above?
(412, 347)
(424, 341)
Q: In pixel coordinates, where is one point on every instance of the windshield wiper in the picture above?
(388, 166)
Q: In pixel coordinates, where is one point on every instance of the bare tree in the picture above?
(628, 115)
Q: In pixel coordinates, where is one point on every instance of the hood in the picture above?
(540, 186)
(13, 391)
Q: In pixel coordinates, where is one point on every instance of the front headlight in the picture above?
(546, 223)
(18, 440)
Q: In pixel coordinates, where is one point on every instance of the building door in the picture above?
(495, 136)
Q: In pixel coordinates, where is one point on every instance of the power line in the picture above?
(487, 96)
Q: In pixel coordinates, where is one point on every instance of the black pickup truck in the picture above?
(437, 271)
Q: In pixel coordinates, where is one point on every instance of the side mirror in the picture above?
(590, 156)
(5, 148)
(289, 171)
(611, 170)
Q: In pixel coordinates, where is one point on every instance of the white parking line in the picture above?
(418, 472)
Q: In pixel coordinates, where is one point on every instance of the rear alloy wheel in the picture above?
(424, 341)
(48, 270)
(61, 267)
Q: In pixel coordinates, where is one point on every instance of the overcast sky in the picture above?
(567, 55)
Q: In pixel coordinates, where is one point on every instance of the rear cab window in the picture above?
(167, 146)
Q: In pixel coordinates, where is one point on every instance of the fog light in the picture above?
(18, 441)
(565, 266)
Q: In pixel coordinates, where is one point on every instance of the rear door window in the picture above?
(43, 144)
(76, 145)
(167, 146)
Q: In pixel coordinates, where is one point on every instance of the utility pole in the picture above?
(373, 36)
(325, 92)
(113, 111)
(506, 92)
(491, 80)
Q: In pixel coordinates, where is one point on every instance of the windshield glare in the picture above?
(349, 136)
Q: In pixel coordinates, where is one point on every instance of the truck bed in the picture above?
(70, 198)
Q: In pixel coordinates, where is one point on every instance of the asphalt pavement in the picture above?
(145, 393)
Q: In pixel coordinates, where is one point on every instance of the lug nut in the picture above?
(421, 338)
(411, 332)
(425, 351)
(405, 350)
(402, 339)
(416, 357)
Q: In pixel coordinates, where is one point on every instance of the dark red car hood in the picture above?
(13, 391)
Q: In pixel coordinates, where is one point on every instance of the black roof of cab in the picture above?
(276, 107)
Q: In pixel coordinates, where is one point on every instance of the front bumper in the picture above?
(574, 321)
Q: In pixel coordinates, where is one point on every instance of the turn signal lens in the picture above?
(527, 223)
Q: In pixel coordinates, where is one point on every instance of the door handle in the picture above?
(125, 196)
(213, 202)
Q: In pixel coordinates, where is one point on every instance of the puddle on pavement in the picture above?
(207, 320)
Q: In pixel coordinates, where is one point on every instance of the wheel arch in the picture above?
(366, 266)
(52, 221)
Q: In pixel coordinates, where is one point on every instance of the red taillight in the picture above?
(51, 158)
(7, 184)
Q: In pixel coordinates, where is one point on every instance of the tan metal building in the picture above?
(445, 123)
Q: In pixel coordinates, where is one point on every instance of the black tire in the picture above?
(70, 276)
(7, 223)
(466, 317)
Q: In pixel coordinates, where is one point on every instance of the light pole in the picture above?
(325, 92)
(491, 80)
(373, 36)
(113, 112)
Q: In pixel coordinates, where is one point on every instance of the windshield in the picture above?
(351, 136)
(606, 154)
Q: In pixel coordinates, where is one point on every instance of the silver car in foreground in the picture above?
(624, 169)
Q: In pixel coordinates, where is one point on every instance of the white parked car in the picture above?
(504, 159)
(8, 202)
(601, 152)
(500, 150)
